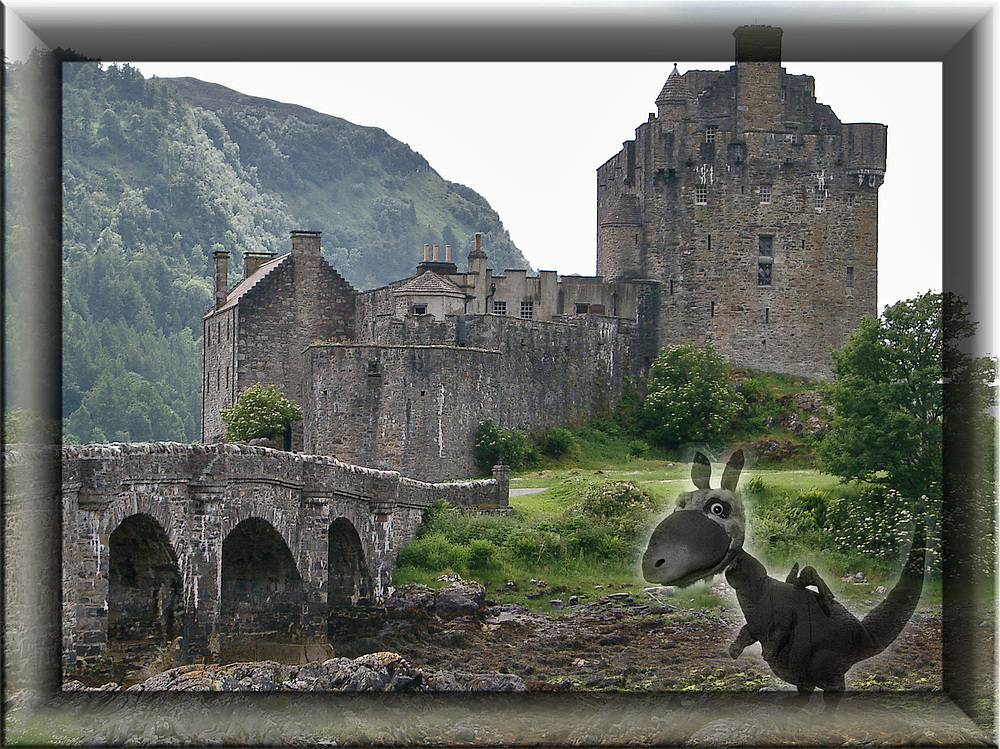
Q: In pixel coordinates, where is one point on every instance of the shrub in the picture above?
(614, 499)
(556, 441)
(483, 555)
(879, 523)
(639, 448)
(260, 411)
(814, 502)
(434, 552)
(494, 444)
(690, 397)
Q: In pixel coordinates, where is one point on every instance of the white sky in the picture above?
(530, 136)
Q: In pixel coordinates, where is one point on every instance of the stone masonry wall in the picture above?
(416, 407)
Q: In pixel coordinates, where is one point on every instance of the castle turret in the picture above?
(675, 97)
(620, 240)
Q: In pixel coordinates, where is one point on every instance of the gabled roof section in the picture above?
(430, 282)
(237, 292)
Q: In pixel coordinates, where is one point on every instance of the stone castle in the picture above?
(744, 215)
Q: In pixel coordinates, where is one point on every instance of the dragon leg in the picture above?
(743, 640)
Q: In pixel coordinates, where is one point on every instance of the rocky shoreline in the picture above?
(374, 672)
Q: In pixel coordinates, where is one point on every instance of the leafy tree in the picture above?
(494, 444)
(889, 395)
(689, 397)
(259, 411)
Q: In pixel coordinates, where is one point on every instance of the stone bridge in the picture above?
(213, 543)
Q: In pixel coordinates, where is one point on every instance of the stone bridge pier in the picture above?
(229, 543)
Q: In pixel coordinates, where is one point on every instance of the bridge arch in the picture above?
(261, 590)
(137, 503)
(349, 582)
(144, 582)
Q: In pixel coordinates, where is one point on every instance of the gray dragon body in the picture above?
(807, 638)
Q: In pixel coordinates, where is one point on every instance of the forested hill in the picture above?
(159, 173)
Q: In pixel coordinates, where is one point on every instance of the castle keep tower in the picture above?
(746, 212)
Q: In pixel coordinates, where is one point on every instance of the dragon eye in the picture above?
(718, 509)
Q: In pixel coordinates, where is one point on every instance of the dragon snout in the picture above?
(685, 547)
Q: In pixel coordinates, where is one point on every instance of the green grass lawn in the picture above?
(546, 539)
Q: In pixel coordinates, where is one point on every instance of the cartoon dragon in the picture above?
(807, 638)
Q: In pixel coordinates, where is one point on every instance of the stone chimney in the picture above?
(758, 103)
(253, 260)
(447, 253)
(221, 273)
(434, 257)
(305, 243)
(427, 253)
(758, 44)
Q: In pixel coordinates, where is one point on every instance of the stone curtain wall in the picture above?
(416, 407)
(192, 498)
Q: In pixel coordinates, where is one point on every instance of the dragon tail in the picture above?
(884, 623)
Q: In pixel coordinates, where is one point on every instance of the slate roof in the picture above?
(430, 282)
(675, 90)
(237, 292)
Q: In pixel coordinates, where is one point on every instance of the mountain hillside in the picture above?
(157, 174)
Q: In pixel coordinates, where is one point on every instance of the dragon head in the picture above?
(703, 533)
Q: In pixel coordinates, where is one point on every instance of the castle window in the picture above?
(373, 368)
(709, 242)
(819, 200)
(671, 287)
(850, 200)
(710, 132)
(701, 194)
(764, 272)
(765, 258)
(582, 308)
(499, 308)
(713, 309)
(527, 309)
(765, 193)
(767, 315)
(850, 277)
(419, 309)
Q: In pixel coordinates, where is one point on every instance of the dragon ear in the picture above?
(701, 471)
(731, 476)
